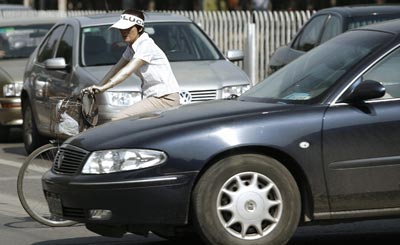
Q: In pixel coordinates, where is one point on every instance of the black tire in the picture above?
(29, 186)
(32, 138)
(4, 132)
(256, 191)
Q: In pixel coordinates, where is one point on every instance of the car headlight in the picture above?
(123, 98)
(238, 90)
(12, 89)
(110, 161)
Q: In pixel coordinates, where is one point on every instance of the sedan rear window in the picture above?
(356, 22)
(19, 41)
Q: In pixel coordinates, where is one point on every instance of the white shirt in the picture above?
(156, 75)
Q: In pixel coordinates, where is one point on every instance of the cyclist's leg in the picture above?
(29, 185)
(150, 104)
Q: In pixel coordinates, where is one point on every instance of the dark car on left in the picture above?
(316, 142)
(18, 38)
(326, 24)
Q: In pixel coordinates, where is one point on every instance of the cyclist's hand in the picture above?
(85, 90)
(93, 89)
(96, 89)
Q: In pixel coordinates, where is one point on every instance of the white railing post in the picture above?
(250, 53)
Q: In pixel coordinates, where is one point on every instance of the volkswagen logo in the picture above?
(185, 97)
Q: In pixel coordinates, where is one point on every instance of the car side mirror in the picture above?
(56, 64)
(366, 90)
(234, 55)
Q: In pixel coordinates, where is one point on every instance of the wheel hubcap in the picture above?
(249, 205)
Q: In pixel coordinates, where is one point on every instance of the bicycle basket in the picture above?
(65, 116)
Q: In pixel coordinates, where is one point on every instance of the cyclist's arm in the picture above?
(132, 66)
(118, 66)
(120, 75)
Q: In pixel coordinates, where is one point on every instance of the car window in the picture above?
(387, 72)
(179, 41)
(309, 37)
(65, 47)
(182, 41)
(356, 22)
(47, 49)
(19, 41)
(101, 46)
(332, 28)
(316, 72)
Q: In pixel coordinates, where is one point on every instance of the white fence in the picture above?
(229, 30)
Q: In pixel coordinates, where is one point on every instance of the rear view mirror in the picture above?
(56, 64)
(235, 55)
(366, 90)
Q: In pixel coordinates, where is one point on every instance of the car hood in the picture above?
(192, 75)
(213, 74)
(151, 126)
(13, 68)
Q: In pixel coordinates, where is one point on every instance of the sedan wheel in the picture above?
(247, 199)
(32, 138)
(249, 205)
(4, 131)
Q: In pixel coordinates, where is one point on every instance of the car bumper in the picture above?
(10, 112)
(141, 201)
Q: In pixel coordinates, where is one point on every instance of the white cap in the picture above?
(126, 21)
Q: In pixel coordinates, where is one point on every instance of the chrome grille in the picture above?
(203, 95)
(68, 160)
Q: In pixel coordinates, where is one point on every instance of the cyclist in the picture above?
(159, 87)
(160, 90)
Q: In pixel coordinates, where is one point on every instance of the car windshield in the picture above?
(20, 41)
(315, 72)
(356, 22)
(179, 41)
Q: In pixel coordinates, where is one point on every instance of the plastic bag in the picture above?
(65, 117)
(68, 125)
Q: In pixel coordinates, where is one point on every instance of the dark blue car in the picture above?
(318, 140)
(328, 23)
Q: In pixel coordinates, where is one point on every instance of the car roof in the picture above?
(110, 18)
(28, 21)
(362, 10)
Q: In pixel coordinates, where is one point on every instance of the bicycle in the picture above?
(29, 185)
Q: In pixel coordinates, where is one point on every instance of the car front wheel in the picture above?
(246, 199)
(32, 138)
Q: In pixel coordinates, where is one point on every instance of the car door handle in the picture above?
(48, 80)
(40, 88)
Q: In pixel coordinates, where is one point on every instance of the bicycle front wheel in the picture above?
(29, 186)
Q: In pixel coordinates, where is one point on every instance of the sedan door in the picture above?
(49, 83)
(361, 147)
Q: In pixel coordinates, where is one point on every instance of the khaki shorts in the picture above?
(150, 104)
